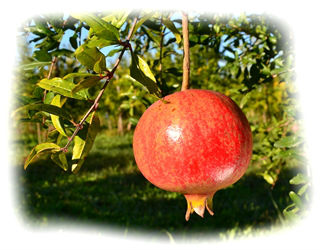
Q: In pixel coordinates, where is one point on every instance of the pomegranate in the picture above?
(194, 142)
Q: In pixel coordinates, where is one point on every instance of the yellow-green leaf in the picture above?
(51, 109)
(142, 20)
(89, 58)
(170, 25)
(295, 198)
(46, 147)
(60, 159)
(32, 66)
(117, 18)
(83, 143)
(77, 74)
(56, 101)
(140, 71)
(100, 27)
(62, 87)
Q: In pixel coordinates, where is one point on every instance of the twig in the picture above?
(108, 78)
(161, 48)
(53, 63)
(186, 55)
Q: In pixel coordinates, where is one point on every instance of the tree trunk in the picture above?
(38, 132)
(129, 126)
(120, 124)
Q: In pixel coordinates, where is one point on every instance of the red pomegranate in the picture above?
(194, 142)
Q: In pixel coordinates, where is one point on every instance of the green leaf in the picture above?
(244, 99)
(295, 198)
(288, 142)
(291, 214)
(84, 143)
(114, 51)
(142, 20)
(298, 179)
(62, 87)
(152, 36)
(100, 27)
(47, 147)
(174, 71)
(125, 105)
(51, 109)
(73, 41)
(33, 65)
(170, 25)
(268, 178)
(140, 71)
(73, 75)
(38, 93)
(117, 19)
(62, 52)
(42, 55)
(49, 97)
(90, 56)
(56, 101)
(100, 65)
(303, 189)
(86, 83)
(98, 42)
(133, 121)
(60, 159)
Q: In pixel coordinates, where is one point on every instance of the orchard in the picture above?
(132, 118)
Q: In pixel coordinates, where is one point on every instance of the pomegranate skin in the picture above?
(194, 142)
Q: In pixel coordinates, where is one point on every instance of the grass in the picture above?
(109, 191)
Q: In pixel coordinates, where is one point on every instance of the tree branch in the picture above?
(108, 78)
(186, 55)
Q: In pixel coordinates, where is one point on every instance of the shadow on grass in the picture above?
(109, 191)
(129, 201)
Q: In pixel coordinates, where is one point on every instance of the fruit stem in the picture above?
(198, 203)
(186, 54)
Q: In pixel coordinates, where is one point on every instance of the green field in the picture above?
(109, 191)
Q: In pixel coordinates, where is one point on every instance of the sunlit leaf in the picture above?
(288, 142)
(60, 159)
(170, 25)
(244, 100)
(117, 19)
(295, 198)
(73, 75)
(83, 143)
(51, 109)
(100, 27)
(145, 17)
(48, 98)
(47, 147)
(98, 42)
(140, 71)
(268, 178)
(90, 56)
(155, 38)
(303, 189)
(56, 101)
(298, 179)
(33, 65)
(62, 87)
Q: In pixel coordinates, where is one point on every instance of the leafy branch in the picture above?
(108, 78)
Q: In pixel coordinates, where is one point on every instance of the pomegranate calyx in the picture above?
(198, 203)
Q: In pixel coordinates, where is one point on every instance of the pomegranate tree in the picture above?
(194, 142)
